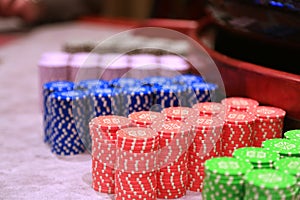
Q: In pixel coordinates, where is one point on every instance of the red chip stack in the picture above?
(210, 109)
(173, 158)
(240, 104)
(103, 132)
(207, 144)
(179, 113)
(145, 118)
(136, 166)
(268, 124)
(238, 131)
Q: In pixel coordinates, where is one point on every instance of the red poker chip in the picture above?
(240, 103)
(170, 195)
(135, 186)
(138, 143)
(104, 190)
(140, 192)
(209, 108)
(135, 175)
(239, 118)
(146, 117)
(207, 123)
(111, 122)
(179, 113)
(171, 127)
(137, 134)
(268, 112)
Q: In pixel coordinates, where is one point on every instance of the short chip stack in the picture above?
(285, 147)
(260, 158)
(292, 134)
(206, 144)
(270, 184)
(240, 104)
(237, 131)
(103, 131)
(173, 158)
(67, 122)
(268, 124)
(224, 178)
(145, 118)
(290, 166)
(136, 166)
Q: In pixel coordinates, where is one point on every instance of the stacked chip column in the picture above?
(103, 130)
(136, 165)
(173, 159)
(206, 144)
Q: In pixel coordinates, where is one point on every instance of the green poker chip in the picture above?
(285, 147)
(293, 134)
(259, 157)
(227, 166)
(289, 165)
(270, 184)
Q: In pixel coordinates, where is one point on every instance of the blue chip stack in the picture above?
(68, 122)
(203, 91)
(48, 89)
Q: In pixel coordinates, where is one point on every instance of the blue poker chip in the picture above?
(157, 81)
(91, 84)
(187, 79)
(125, 82)
(48, 89)
(200, 92)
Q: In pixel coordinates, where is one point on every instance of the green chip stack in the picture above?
(268, 184)
(285, 147)
(292, 134)
(224, 178)
(260, 158)
(290, 166)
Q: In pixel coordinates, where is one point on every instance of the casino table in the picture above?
(27, 169)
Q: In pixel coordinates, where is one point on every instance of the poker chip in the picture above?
(110, 122)
(199, 92)
(239, 104)
(145, 118)
(210, 109)
(187, 79)
(258, 157)
(125, 82)
(268, 124)
(48, 89)
(157, 81)
(270, 184)
(292, 134)
(179, 113)
(92, 84)
(68, 122)
(285, 147)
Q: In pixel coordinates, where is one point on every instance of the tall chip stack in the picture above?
(136, 165)
(48, 89)
(145, 118)
(270, 184)
(103, 130)
(290, 166)
(224, 178)
(206, 144)
(268, 124)
(237, 132)
(67, 122)
(174, 140)
(260, 158)
(285, 147)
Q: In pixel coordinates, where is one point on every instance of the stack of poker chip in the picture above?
(145, 118)
(179, 113)
(285, 147)
(237, 132)
(292, 134)
(206, 144)
(224, 178)
(240, 104)
(48, 89)
(200, 92)
(67, 122)
(103, 130)
(174, 140)
(260, 158)
(210, 109)
(268, 124)
(270, 184)
(136, 164)
(290, 166)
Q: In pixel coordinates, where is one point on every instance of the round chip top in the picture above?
(59, 85)
(209, 108)
(111, 122)
(238, 117)
(188, 78)
(69, 95)
(171, 127)
(283, 146)
(289, 165)
(125, 82)
(158, 80)
(204, 86)
(270, 179)
(178, 113)
(240, 103)
(256, 155)
(292, 134)
(146, 117)
(269, 112)
(137, 133)
(207, 122)
(227, 166)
